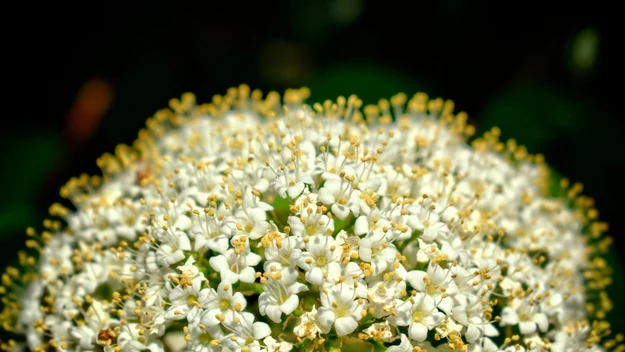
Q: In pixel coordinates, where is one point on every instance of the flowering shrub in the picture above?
(248, 224)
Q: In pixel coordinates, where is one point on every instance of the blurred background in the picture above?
(82, 80)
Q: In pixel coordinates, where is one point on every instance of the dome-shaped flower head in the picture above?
(266, 224)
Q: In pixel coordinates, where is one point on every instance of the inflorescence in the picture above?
(251, 224)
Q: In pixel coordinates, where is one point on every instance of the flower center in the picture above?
(192, 300)
(130, 220)
(321, 261)
(417, 316)
(249, 228)
(103, 225)
(206, 338)
(224, 304)
(311, 230)
(381, 290)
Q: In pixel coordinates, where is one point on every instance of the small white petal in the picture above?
(509, 316)
(315, 276)
(325, 196)
(541, 320)
(361, 226)
(261, 330)
(229, 275)
(247, 275)
(177, 312)
(219, 263)
(340, 211)
(274, 313)
(416, 279)
(183, 223)
(289, 305)
(184, 244)
(473, 333)
(527, 327)
(296, 189)
(345, 325)
(326, 316)
(418, 332)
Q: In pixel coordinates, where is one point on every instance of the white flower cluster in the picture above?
(253, 225)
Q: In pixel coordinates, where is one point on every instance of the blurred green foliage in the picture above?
(29, 158)
(533, 114)
(368, 80)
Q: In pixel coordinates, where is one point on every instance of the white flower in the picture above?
(375, 249)
(428, 222)
(341, 309)
(293, 179)
(234, 267)
(205, 339)
(189, 271)
(222, 305)
(436, 282)
(383, 294)
(283, 252)
(246, 332)
(348, 243)
(341, 197)
(249, 221)
(311, 222)
(130, 340)
(448, 326)
(309, 325)
(526, 315)
(280, 295)
(379, 331)
(209, 233)
(419, 313)
(173, 251)
(470, 314)
(352, 275)
(186, 300)
(321, 257)
(275, 346)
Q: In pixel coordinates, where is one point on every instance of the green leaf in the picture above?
(302, 345)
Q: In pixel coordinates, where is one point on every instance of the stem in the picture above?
(252, 289)
(377, 345)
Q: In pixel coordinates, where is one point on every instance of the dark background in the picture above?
(82, 80)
